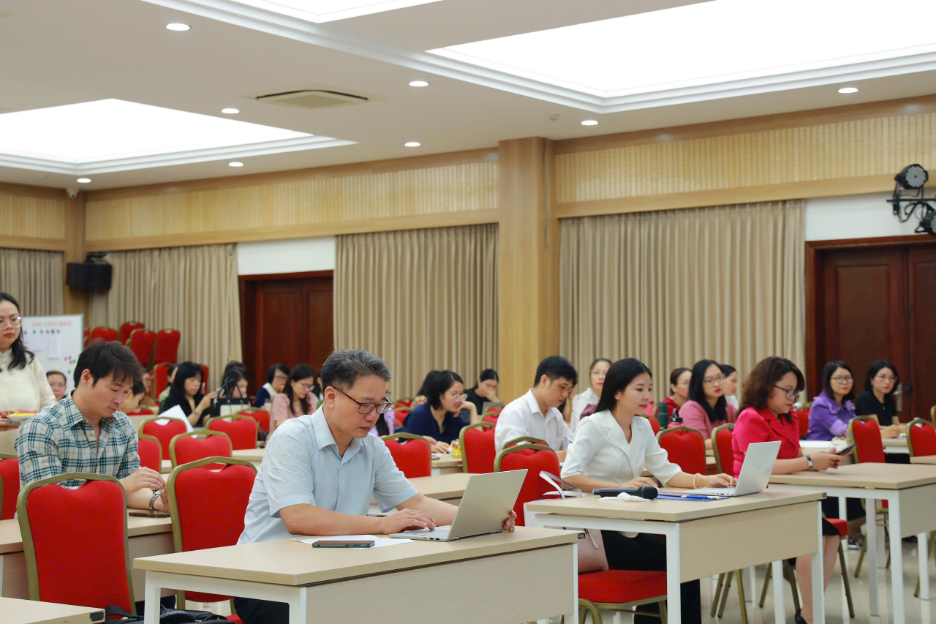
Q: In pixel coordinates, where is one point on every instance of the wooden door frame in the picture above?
(815, 268)
(249, 282)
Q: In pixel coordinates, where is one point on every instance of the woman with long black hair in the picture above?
(707, 407)
(186, 392)
(297, 398)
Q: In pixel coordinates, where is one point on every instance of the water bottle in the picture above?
(662, 415)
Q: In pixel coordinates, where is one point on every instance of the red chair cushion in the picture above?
(150, 454)
(923, 439)
(685, 449)
(142, 343)
(867, 435)
(479, 452)
(413, 457)
(165, 433)
(533, 486)
(192, 448)
(200, 493)
(243, 432)
(803, 416)
(261, 416)
(126, 329)
(725, 451)
(95, 512)
(160, 378)
(840, 525)
(140, 412)
(167, 346)
(619, 586)
(9, 471)
(491, 418)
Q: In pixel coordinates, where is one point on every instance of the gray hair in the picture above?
(344, 367)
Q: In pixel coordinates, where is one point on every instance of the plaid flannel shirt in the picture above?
(59, 439)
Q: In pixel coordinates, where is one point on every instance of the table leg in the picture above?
(843, 512)
(151, 597)
(779, 604)
(896, 553)
(818, 586)
(673, 575)
(871, 542)
(923, 551)
(751, 580)
(298, 605)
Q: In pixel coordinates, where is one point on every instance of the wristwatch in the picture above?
(809, 461)
(152, 504)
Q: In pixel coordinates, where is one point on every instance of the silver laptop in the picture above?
(487, 502)
(755, 472)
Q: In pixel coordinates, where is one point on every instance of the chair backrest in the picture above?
(803, 416)
(685, 447)
(204, 370)
(413, 457)
(535, 458)
(127, 328)
(163, 432)
(261, 416)
(654, 423)
(9, 478)
(525, 440)
(865, 433)
(167, 345)
(66, 532)
(921, 437)
(142, 342)
(490, 418)
(494, 408)
(160, 378)
(722, 449)
(477, 448)
(87, 335)
(150, 450)
(402, 403)
(140, 412)
(243, 430)
(107, 334)
(199, 444)
(208, 506)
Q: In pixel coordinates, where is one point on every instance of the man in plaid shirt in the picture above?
(86, 432)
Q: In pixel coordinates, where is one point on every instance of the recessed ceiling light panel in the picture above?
(229, 111)
(320, 11)
(178, 27)
(235, 164)
(589, 122)
(412, 144)
(83, 180)
(847, 90)
(419, 83)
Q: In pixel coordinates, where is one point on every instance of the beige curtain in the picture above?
(421, 299)
(192, 289)
(35, 279)
(673, 287)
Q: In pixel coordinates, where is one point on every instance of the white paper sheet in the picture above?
(378, 540)
(54, 344)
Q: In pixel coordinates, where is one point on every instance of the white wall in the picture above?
(854, 216)
(286, 256)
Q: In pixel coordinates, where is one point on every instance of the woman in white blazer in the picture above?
(611, 449)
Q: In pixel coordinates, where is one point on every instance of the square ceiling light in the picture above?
(116, 135)
(320, 11)
(708, 43)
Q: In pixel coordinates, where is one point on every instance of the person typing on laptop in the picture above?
(767, 416)
(611, 449)
(320, 471)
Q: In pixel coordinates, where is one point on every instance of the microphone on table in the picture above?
(644, 491)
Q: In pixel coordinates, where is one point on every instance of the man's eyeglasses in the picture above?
(789, 393)
(14, 321)
(367, 408)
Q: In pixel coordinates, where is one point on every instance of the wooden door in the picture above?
(921, 273)
(286, 318)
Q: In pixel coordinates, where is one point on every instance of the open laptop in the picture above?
(755, 472)
(487, 502)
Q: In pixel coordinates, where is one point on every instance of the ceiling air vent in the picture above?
(312, 98)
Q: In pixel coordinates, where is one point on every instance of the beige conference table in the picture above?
(696, 532)
(17, 611)
(522, 576)
(924, 459)
(441, 464)
(910, 492)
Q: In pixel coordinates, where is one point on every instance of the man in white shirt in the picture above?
(536, 414)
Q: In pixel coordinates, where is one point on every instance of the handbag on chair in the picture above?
(591, 551)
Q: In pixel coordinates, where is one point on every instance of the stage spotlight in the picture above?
(912, 177)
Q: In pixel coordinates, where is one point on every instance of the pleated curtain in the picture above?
(192, 289)
(35, 279)
(421, 300)
(674, 287)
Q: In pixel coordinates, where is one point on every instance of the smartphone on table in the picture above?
(364, 543)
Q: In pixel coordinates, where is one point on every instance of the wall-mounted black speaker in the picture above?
(89, 275)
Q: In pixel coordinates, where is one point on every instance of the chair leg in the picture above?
(663, 615)
(848, 596)
(725, 592)
(740, 579)
(790, 574)
(763, 594)
(586, 607)
(861, 556)
(718, 590)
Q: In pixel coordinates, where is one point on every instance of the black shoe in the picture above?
(799, 618)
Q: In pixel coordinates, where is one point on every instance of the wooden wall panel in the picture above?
(32, 217)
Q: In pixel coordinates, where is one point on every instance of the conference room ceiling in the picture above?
(59, 53)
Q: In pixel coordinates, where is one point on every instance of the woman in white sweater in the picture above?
(611, 449)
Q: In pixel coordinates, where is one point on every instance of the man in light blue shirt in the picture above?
(319, 473)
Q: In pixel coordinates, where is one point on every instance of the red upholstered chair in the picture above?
(167, 346)
(150, 451)
(493, 410)
(140, 412)
(722, 449)
(477, 448)
(490, 418)
(402, 403)
(9, 485)
(921, 437)
(654, 424)
(199, 444)
(87, 336)
(107, 334)
(204, 370)
(51, 517)
(619, 590)
(685, 447)
(127, 328)
(196, 494)
(803, 416)
(535, 458)
(243, 430)
(164, 432)
(865, 434)
(413, 457)
(261, 416)
(142, 342)
(160, 379)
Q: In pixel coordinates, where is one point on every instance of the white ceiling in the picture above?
(59, 53)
